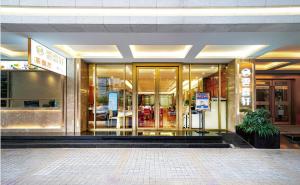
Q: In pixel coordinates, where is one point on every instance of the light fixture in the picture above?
(11, 53)
(166, 12)
(292, 67)
(268, 65)
(159, 51)
(91, 51)
(229, 51)
(286, 52)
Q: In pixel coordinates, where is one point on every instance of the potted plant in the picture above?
(258, 130)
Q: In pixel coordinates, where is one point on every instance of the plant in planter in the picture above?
(258, 130)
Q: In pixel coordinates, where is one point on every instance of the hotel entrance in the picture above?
(153, 96)
(157, 98)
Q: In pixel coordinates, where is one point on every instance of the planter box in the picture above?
(255, 140)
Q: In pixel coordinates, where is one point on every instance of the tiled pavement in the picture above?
(139, 166)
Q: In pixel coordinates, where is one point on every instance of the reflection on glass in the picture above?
(281, 104)
(91, 96)
(146, 97)
(128, 97)
(167, 97)
(204, 78)
(223, 98)
(186, 96)
(109, 96)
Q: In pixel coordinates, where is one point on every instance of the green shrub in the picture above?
(259, 122)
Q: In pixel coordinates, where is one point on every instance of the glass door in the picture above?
(275, 96)
(263, 94)
(157, 97)
(281, 101)
(146, 87)
(167, 93)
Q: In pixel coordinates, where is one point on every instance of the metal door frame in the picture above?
(157, 66)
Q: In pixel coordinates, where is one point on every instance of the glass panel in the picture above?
(262, 93)
(32, 100)
(185, 96)
(128, 95)
(146, 97)
(281, 104)
(109, 96)
(167, 97)
(91, 107)
(223, 106)
(204, 78)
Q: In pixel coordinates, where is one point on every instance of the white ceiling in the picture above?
(276, 36)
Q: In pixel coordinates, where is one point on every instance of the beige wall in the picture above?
(35, 85)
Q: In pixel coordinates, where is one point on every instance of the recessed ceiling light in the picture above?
(195, 12)
(291, 67)
(229, 51)
(288, 52)
(268, 65)
(91, 51)
(11, 53)
(160, 51)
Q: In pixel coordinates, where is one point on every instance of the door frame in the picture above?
(271, 87)
(135, 67)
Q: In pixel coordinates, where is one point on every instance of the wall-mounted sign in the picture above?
(245, 74)
(113, 101)
(17, 65)
(202, 101)
(45, 58)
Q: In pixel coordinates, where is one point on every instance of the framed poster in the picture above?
(202, 101)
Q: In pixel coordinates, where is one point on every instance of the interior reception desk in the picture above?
(48, 119)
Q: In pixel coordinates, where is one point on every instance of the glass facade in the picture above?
(110, 96)
(153, 102)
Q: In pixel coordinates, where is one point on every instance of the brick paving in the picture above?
(141, 166)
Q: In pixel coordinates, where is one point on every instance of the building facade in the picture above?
(133, 70)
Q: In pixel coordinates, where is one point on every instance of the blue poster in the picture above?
(202, 101)
(113, 101)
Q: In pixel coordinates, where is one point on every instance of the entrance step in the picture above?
(211, 141)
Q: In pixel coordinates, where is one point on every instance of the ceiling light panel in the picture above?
(268, 65)
(229, 51)
(288, 52)
(160, 51)
(195, 12)
(292, 67)
(91, 51)
(11, 53)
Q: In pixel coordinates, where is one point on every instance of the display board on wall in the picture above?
(41, 56)
(245, 85)
(202, 101)
(113, 101)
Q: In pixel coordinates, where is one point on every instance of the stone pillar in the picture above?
(70, 96)
(241, 90)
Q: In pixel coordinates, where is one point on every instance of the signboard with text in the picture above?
(202, 101)
(41, 56)
(245, 74)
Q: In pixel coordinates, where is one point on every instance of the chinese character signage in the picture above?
(245, 74)
(45, 58)
(202, 101)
